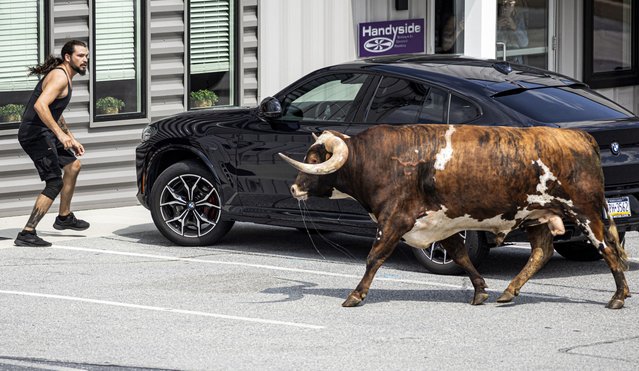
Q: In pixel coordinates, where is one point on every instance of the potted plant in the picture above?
(109, 105)
(11, 112)
(203, 98)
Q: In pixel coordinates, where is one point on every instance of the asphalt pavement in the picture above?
(120, 296)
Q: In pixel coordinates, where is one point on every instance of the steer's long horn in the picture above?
(334, 145)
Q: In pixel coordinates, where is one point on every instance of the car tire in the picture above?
(582, 250)
(435, 259)
(186, 205)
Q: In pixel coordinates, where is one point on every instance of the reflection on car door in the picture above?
(327, 102)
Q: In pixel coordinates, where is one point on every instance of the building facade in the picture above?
(154, 58)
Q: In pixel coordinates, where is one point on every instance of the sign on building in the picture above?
(391, 37)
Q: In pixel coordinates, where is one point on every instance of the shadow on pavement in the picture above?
(502, 263)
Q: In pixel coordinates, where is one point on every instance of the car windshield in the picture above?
(562, 104)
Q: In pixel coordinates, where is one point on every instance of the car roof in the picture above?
(491, 76)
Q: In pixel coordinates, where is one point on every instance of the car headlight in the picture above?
(148, 132)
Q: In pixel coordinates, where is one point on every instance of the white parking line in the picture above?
(259, 266)
(35, 365)
(161, 309)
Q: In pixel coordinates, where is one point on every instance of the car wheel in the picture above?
(436, 260)
(186, 205)
(582, 250)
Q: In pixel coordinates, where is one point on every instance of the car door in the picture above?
(396, 101)
(324, 102)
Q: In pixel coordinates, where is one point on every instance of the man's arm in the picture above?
(55, 84)
(76, 146)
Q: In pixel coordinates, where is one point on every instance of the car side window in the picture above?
(461, 111)
(434, 108)
(396, 101)
(327, 98)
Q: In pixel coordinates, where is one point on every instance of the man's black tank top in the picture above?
(31, 121)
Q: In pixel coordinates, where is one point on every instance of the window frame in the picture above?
(609, 79)
(127, 117)
(44, 41)
(235, 64)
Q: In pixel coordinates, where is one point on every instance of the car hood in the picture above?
(194, 122)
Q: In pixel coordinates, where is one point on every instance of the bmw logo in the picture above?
(615, 148)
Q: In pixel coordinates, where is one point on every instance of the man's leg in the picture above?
(42, 205)
(69, 179)
(28, 236)
(65, 218)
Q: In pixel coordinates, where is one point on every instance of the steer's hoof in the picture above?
(351, 301)
(479, 298)
(506, 297)
(615, 304)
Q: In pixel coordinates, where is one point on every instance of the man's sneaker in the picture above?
(70, 222)
(30, 239)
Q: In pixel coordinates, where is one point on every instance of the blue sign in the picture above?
(391, 37)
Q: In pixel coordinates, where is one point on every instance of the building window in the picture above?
(211, 53)
(22, 45)
(610, 43)
(118, 57)
(522, 32)
(449, 27)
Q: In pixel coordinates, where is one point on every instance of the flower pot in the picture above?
(13, 117)
(109, 110)
(202, 103)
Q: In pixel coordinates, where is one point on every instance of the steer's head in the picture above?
(317, 173)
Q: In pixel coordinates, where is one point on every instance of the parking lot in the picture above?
(121, 295)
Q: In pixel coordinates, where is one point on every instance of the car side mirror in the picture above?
(270, 108)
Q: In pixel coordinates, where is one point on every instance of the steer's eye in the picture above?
(313, 159)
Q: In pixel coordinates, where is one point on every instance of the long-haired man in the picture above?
(45, 137)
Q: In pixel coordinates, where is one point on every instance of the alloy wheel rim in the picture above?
(437, 254)
(190, 205)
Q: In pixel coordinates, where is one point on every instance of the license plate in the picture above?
(618, 207)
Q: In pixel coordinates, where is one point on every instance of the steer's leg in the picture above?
(542, 249)
(593, 227)
(388, 236)
(455, 247)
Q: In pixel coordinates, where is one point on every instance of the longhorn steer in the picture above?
(425, 183)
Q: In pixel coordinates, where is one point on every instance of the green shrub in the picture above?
(109, 104)
(203, 98)
(12, 112)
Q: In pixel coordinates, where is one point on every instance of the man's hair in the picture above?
(52, 61)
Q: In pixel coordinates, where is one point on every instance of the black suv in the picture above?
(200, 171)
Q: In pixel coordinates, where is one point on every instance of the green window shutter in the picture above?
(114, 40)
(211, 24)
(20, 43)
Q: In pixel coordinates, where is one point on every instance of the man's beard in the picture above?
(77, 69)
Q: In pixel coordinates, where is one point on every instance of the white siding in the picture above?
(108, 176)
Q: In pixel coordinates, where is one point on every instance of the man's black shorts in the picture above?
(47, 153)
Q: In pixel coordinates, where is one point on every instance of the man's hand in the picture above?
(77, 148)
(66, 140)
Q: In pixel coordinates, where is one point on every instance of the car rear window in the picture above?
(562, 104)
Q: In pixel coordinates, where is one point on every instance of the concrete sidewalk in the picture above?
(104, 222)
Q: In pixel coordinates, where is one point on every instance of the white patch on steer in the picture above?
(446, 153)
(337, 195)
(436, 226)
(544, 198)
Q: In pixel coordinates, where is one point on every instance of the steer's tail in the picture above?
(612, 240)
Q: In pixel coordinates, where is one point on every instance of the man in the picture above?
(45, 137)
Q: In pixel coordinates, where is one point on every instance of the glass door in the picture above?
(526, 32)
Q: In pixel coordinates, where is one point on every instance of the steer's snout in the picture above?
(298, 193)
